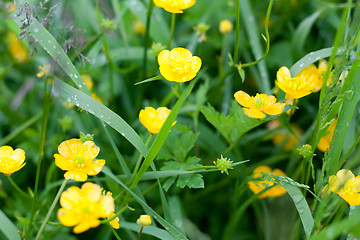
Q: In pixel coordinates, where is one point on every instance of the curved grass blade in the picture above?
(94, 107)
(161, 137)
(150, 230)
(8, 228)
(150, 80)
(170, 228)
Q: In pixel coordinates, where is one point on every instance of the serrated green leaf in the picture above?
(190, 180)
(187, 142)
(168, 183)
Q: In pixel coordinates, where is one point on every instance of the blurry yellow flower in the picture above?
(346, 185)
(97, 98)
(44, 70)
(285, 138)
(16, 49)
(256, 107)
(88, 81)
(153, 120)
(174, 6)
(11, 160)
(294, 87)
(139, 28)
(76, 158)
(258, 186)
(225, 26)
(144, 220)
(83, 207)
(325, 141)
(178, 65)
(311, 74)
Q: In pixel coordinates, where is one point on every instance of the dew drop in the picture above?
(108, 122)
(71, 75)
(91, 111)
(36, 30)
(77, 104)
(49, 41)
(301, 65)
(54, 46)
(87, 105)
(67, 63)
(75, 76)
(80, 86)
(69, 99)
(101, 116)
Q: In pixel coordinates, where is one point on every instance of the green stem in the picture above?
(17, 187)
(114, 232)
(46, 107)
(115, 215)
(56, 199)
(146, 39)
(222, 55)
(173, 19)
(139, 235)
(237, 32)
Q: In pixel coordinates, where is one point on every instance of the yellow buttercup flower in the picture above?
(11, 160)
(311, 74)
(153, 119)
(325, 141)
(296, 87)
(76, 158)
(83, 207)
(256, 107)
(16, 49)
(144, 220)
(174, 6)
(258, 186)
(225, 26)
(346, 185)
(178, 65)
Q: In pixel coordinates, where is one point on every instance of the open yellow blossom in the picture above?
(16, 49)
(11, 160)
(153, 119)
(174, 6)
(258, 186)
(83, 207)
(256, 107)
(76, 158)
(346, 185)
(296, 87)
(144, 220)
(178, 65)
(225, 26)
(325, 141)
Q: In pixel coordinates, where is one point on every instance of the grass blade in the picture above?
(8, 228)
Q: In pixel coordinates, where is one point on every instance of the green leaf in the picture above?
(150, 80)
(149, 230)
(97, 109)
(8, 228)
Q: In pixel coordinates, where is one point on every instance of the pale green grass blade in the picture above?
(301, 206)
(254, 37)
(161, 137)
(95, 108)
(150, 230)
(8, 228)
(170, 228)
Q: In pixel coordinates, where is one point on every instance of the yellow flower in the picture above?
(83, 207)
(10, 160)
(139, 28)
(44, 70)
(76, 158)
(346, 185)
(174, 6)
(225, 26)
(178, 65)
(311, 74)
(258, 186)
(16, 49)
(153, 119)
(325, 141)
(144, 220)
(256, 107)
(296, 87)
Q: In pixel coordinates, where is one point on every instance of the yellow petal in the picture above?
(90, 150)
(94, 167)
(85, 225)
(91, 191)
(244, 99)
(71, 148)
(68, 217)
(70, 197)
(76, 175)
(164, 57)
(254, 113)
(275, 109)
(6, 151)
(62, 162)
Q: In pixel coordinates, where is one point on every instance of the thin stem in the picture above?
(146, 39)
(114, 232)
(56, 199)
(46, 107)
(17, 187)
(237, 32)
(173, 19)
(139, 235)
(222, 55)
(138, 163)
(115, 215)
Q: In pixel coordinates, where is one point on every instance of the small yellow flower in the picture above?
(11, 160)
(44, 70)
(16, 49)
(325, 141)
(83, 207)
(178, 65)
(153, 120)
(76, 158)
(144, 220)
(346, 185)
(225, 26)
(311, 74)
(256, 107)
(296, 87)
(174, 6)
(139, 28)
(258, 186)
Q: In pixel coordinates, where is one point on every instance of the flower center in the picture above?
(79, 161)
